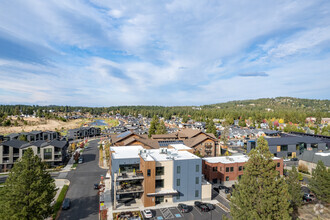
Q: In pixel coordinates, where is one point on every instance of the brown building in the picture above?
(205, 143)
(227, 170)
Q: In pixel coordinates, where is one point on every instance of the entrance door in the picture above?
(159, 199)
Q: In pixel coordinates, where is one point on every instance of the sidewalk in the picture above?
(68, 167)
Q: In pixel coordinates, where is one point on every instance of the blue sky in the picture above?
(186, 52)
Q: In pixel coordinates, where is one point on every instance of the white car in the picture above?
(147, 213)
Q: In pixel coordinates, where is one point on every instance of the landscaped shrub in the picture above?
(59, 201)
(303, 168)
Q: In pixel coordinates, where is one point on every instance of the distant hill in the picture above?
(278, 103)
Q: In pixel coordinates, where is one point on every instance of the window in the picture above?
(178, 196)
(239, 177)
(205, 166)
(196, 193)
(289, 154)
(48, 152)
(227, 169)
(197, 180)
(197, 168)
(38, 150)
(159, 171)
(278, 164)
(220, 168)
(227, 178)
(231, 169)
(240, 168)
(314, 145)
(215, 169)
(284, 147)
(159, 183)
(178, 169)
(148, 172)
(215, 180)
(275, 155)
(178, 181)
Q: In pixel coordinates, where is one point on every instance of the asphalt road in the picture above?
(83, 196)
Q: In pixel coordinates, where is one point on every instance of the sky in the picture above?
(185, 52)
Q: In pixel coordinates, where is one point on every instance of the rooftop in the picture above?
(164, 154)
(126, 152)
(229, 159)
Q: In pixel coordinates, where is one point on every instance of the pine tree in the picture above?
(320, 182)
(161, 128)
(153, 126)
(294, 189)
(29, 190)
(211, 128)
(261, 193)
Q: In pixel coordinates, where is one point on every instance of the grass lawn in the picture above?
(58, 204)
(74, 165)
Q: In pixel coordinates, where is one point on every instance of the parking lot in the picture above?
(194, 213)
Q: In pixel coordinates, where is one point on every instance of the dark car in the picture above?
(223, 187)
(96, 186)
(202, 207)
(216, 189)
(294, 159)
(210, 206)
(66, 204)
(308, 197)
(183, 208)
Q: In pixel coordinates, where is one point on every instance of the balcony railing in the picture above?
(5, 155)
(208, 146)
(138, 175)
(132, 189)
(16, 155)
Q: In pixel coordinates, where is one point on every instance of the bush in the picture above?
(303, 168)
(59, 201)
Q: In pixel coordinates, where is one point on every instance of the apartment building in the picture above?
(227, 170)
(205, 143)
(148, 177)
(291, 146)
(34, 135)
(84, 132)
(52, 152)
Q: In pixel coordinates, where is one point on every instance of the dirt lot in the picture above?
(307, 212)
(41, 124)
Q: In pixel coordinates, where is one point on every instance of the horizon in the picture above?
(167, 53)
(242, 100)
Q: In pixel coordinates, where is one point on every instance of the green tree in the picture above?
(242, 123)
(211, 128)
(28, 191)
(224, 135)
(261, 193)
(22, 137)
(153, 126)
(320, 182)
(294, 188)
(161, 128)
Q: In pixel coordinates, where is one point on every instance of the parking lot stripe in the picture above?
(198, 210)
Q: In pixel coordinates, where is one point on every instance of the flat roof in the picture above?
(126, 152)
(180, 147)
(229, 159)
(163, 154)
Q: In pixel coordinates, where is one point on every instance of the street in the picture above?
(83, 196)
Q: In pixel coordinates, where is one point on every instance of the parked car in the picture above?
(66, 204)
(202, 207)
(210, 206)
(294, 159)
(147, 213)
(183, 208)
(81, 160)
(308, 197)
(223, 187)
(96, 186)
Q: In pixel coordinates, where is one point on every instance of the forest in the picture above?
(289, 109)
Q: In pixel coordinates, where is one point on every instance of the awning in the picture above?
(164, 193)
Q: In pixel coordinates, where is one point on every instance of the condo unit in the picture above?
(149, 177)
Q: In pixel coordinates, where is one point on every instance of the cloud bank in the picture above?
(102, 53)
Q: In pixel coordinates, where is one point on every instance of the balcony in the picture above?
(5, 155)
(208, 146)
(138, 175)
(130, 189)
(16, 155)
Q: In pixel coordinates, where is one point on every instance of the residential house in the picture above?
(84, 132)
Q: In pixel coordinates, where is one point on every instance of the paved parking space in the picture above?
(193, 214)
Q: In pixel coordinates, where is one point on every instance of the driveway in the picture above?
(83, 196)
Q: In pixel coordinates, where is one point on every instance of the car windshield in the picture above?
(147, 211)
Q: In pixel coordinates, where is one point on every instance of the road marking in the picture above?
(198, 211)
(223, 207)
(166, 213)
